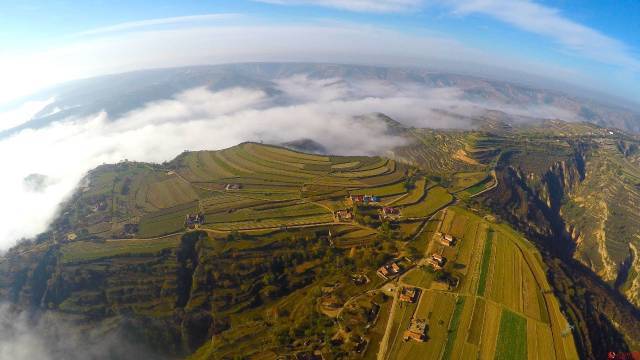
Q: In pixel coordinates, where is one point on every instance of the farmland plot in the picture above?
(170, 192)
(436, 198)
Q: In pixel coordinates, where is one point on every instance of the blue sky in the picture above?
(592, 44)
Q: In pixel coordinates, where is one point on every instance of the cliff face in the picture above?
(146, 296)
(569, 205)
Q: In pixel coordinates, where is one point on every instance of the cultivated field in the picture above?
(501, 308)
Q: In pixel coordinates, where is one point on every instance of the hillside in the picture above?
(259, 250)
(573, 187)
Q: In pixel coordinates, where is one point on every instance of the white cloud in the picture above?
(141, 24)
(526, 15)
(315, 42)
(46, 336)
(550, 22)
(21, 114)
(357, 5)
(199, 119)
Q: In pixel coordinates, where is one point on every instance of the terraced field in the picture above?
(502, 307)
(436, 198)
(443, 152)
(247, 187)
(282, 251)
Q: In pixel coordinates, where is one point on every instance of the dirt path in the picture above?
(382, 350)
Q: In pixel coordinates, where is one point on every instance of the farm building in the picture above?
(390, 212)
(409, 294)
(388, 270)
(447, 240)
(191, 221)
(437, 261)
(354, 199)
(417, 330)
(344, 215)
(370, 199)
(233, 187)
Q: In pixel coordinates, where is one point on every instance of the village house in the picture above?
(354, 199)
(388, 270)
(417, 330)
(233, 187)
(192, 221)
(437, 261)
(409, 294)
(447, 240)
(344, 215)
(390, 212)
(370, 199)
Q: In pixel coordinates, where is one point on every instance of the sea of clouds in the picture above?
(41, 167)
(45, 336)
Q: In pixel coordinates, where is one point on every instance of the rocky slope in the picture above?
(574, 188)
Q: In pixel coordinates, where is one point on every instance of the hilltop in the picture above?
(301, 251)
(259, 249)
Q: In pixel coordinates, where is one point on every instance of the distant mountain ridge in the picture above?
(120, 93)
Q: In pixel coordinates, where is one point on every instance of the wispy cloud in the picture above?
(550, 22)
(213, 44)
(526, 15)
(143, 24)
(357, 5)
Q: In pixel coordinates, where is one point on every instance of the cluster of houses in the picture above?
(390, 213)
(417, 330)
(409, 294)
(363, 199)
(437, 261)
(192, 221)
(344, 215)
(389, 270)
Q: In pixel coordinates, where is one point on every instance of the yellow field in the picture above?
(513, 316)
(436, 198)
(170, 192)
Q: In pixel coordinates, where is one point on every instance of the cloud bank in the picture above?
(24, 336)
(128, 47)
(43, 166)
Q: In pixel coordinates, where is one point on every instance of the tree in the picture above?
(385, 228)
(413, 252)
